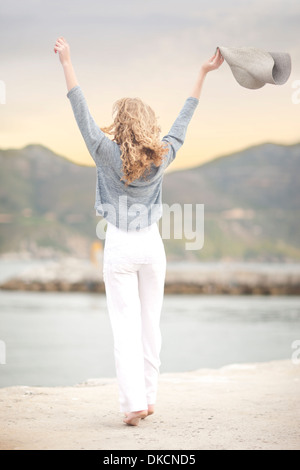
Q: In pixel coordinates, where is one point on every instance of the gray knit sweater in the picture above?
(139, 204)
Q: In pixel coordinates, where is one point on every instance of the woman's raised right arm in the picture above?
(63, 49)
(98, 144)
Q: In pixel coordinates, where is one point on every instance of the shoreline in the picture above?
(238, 406)
(76, 275)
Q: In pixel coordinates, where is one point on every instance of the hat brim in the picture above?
(282, 67)
(246, 79)
(253, 68)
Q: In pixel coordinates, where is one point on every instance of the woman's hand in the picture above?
(214, 62)
(63, 49)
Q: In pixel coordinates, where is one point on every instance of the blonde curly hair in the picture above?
(136, 131)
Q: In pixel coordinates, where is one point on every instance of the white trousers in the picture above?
(134, 274)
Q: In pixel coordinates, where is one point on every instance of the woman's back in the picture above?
(137, 204)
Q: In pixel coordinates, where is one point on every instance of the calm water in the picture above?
(65, 338)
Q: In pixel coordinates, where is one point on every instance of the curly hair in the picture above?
(136, 131)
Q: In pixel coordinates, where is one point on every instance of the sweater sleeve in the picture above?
(98, 144)
(176, 136)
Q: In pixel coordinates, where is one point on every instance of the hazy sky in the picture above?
(151, 49)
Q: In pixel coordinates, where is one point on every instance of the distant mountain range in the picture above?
(251, 204)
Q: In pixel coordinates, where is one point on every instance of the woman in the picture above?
(130, 170)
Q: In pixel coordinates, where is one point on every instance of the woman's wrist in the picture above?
(69, 73)
(198, 85)
(203, 72)
(67, 63)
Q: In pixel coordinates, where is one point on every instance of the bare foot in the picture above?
(133, 418)
(150, 411)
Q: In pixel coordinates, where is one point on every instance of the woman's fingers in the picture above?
(219, 56)
(60, 44)
(62, 47)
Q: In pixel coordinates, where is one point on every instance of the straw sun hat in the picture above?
(253, 68)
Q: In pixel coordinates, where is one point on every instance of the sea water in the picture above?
(58, 339)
